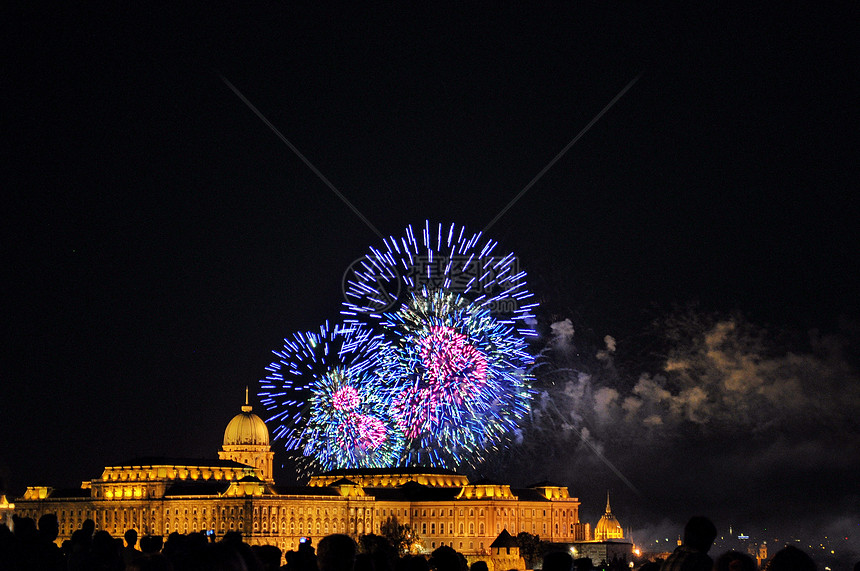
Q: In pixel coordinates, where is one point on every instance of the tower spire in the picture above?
(608, 510)
(246, 407)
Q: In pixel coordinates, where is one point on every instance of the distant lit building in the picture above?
(608, 527)
(608, 542)
(236, 492)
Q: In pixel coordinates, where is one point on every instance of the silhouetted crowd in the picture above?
(33, 547)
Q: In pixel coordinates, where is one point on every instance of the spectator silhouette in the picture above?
(336, 553)
(557, 561)
(479, 566)
(48, 555)
(269, 556)
(107, 552)
(735, 561)
(150, 544)
(692, 554)
(791, 559)
(304, 559)
(130, 552)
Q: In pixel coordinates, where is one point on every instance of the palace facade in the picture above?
(236, 492)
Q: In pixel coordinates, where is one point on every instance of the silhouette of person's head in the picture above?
(232, 537)
(444, 558)
(791, 559)
(336, 553)
(557, 561)
(89, 527)
(699, 533)
(49, 527)
(269, 556)
(151, 543)
(130, 537)
(479, 566)
(735, 561)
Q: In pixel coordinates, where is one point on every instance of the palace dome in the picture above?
(246, 428)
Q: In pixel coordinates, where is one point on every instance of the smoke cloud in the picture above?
(749, 426)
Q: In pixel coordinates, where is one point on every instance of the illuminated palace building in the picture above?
(158, 496)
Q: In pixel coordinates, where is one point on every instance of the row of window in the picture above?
(499, 512)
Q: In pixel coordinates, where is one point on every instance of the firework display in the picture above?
(430, 367)
(324, 393)
(457, 378)
(438, 259)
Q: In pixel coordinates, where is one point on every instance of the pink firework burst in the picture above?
(413, 410)
(371, 431)
(346, 398)
(450, 359)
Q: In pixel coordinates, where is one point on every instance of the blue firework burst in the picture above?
(438, 258)
(325, 396)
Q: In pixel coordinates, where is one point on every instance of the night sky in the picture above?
(159, 240)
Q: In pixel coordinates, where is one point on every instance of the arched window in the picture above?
(481, 529)
(472, 528)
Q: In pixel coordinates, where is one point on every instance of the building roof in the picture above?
(504, 539)
(305, 491)
(545, 484)
(529, 495)
(170, 461)
(70, 493)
